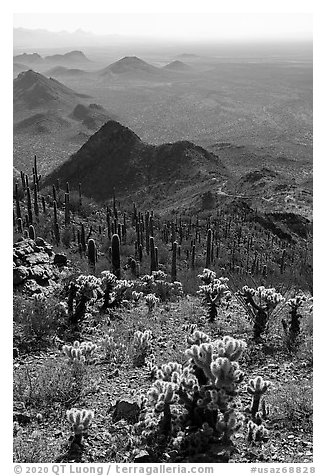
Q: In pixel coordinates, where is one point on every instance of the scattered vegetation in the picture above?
(168, 359)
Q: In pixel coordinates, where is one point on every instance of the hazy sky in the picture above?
(206, 26)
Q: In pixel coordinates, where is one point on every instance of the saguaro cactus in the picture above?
(56, 224)
(209, 248)
(67, 212)
(31, 232)
(115, 245)
(91, 252)
(152, 254)
(174, 262)
(29, 206)
(193, 256)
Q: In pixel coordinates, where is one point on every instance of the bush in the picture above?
(52, 383)
(37, 322)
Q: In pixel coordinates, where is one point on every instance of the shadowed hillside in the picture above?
(33, 90)
(116, 157)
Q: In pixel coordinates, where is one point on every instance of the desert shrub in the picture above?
(66, 237)
(157, 284)
(293, 405)
(37, 321)
(304, 350)
(34, 446)
(55, 382)
(189, 280)
(84, 209)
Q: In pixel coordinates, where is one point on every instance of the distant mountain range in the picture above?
(115, 157)
(177, 66)
(66, 59)
(33, 90)
(48, 112)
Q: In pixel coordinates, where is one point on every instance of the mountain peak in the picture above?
(115, 157)
(33, 90)
(130, 64)
(177, 65)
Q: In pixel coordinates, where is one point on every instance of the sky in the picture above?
(178, 25)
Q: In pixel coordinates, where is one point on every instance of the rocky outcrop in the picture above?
(35, 263)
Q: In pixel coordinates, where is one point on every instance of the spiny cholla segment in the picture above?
(151, 301)
(80, 420)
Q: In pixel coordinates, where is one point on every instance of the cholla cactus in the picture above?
(262, 301)
(256, 432)
(292, 329)
(198, 337)
(142, 346)
(87, 287)
(136, 297)
(215, 294)
(146, 283)
(117, 290)
(87, 349)
(74, 354)
(80, 421)
(192, 406)
(108, 344)
(257, 387)
(151, 301)
(159, 275)
(108, 281)
(79, 352)
(208, 276)
(151, 366)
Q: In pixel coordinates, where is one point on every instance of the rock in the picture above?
(37, 258)
(22, 418)
(19, 406)
(60, 259)
(32, 286)
(40, 242)
(20, 275)
(15, 353)
(142, 457)
(37, 273)
(126, 410)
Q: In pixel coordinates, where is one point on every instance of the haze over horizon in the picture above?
(182, 27)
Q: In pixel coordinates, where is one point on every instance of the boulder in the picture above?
(20, 274)
(37, 258)
(126, 410)
(60, 259)
(20, 415)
